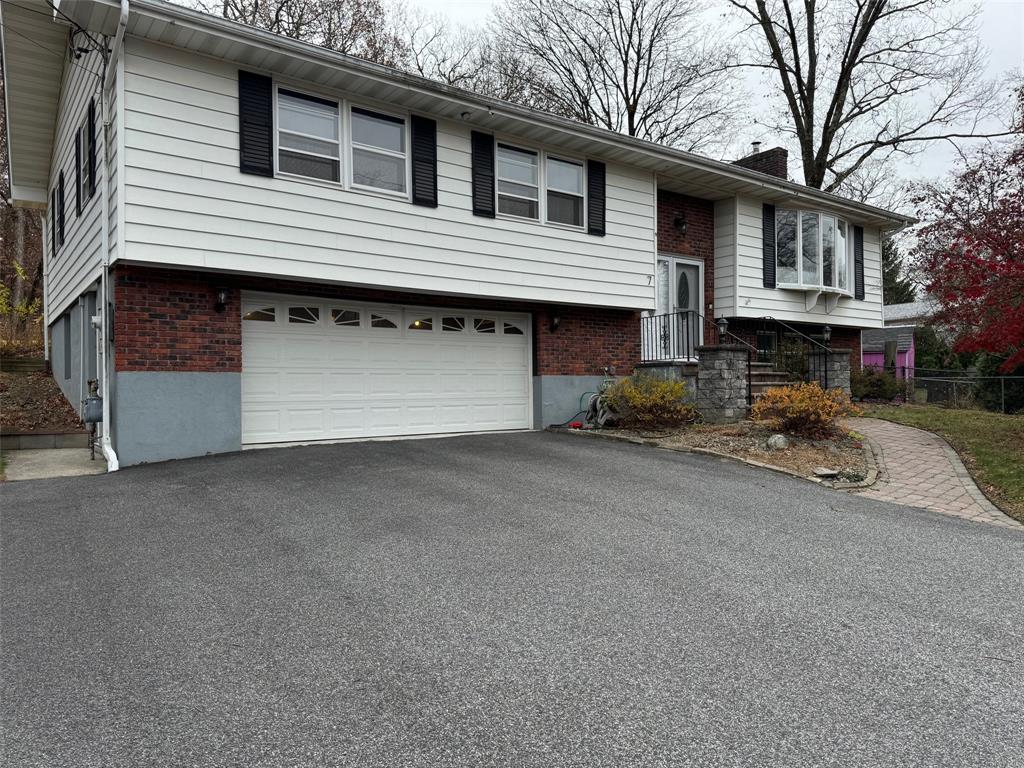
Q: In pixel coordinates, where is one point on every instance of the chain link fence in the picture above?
(961, 388)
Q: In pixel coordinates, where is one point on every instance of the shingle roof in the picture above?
(873, 340)
(912, 310)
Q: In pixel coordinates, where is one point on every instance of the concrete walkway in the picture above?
(920, 469)
(39, 463)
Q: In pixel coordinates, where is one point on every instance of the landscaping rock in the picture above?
(825, 472)
(778, 443)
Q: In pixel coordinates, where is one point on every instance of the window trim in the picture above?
(340, 141)
(539, 218)
(350, 145)
(582, 163)
(542, 184)
(801, 284)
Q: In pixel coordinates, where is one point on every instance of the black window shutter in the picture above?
(858, 263)
(255, 124)
(78, 173)
(90, 140)
(53, 221)
(482, 147)
(595, 197)
(424, 161)
(60, 209)
(768, 245)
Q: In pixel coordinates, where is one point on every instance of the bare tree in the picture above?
(21, 256)
(862, 80)
(647, 68)
(363, 28)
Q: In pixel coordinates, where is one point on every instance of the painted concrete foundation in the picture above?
(669, 371)
(556, 399)
(159, 416)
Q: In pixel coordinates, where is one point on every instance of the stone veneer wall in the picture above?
(837, 365)
(722, 383)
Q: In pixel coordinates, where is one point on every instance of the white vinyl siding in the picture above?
(77, 262)
(754, 300)
(725, 257)
(189, 205)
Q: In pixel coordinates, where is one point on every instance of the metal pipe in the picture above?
(105, 372)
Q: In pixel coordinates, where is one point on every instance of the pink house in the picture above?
(890, 348)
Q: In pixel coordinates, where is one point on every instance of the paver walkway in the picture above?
(920, 469)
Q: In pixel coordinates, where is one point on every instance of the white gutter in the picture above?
(105, 368)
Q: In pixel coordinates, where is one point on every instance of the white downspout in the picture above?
(106, 373)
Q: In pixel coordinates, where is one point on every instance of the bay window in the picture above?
(811, 250)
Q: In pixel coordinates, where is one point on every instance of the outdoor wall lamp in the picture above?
(556, 320)
(826, 334)
(723, 327)
(679, 222)
(222, 299)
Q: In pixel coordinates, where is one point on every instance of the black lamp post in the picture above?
(826, 334)
(723, 327)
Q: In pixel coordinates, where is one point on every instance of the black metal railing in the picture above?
(675, 337)
(793, 352)
(671, 336)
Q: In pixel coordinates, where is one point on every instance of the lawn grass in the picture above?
(990, 444)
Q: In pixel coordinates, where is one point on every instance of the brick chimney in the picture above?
(774, 161)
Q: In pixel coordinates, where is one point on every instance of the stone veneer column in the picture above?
(722, 383)
(836, 362)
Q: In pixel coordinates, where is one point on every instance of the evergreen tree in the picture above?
(896, 286)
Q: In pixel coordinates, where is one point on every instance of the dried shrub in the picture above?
(645, 402)
(803, 409)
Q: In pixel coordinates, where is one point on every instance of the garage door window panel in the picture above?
(484, 325)
(382, 321)
(422, 323)
(453, 324)
(304, 315)
(346, 318)
(260, 314)
(512, 329)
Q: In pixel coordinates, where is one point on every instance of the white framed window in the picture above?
(812, 250)
(518, 181)
(378, 153)
(308, 135)
(564, 191)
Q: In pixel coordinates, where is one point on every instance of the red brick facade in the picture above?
(698, 241)
(774, 162)
(166, 320)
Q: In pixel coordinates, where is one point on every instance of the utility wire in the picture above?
(58, 54)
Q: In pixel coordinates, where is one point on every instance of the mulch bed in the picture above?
(841, 452)
(32, 402)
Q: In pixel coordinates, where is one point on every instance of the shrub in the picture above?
(803, 409)
(645, 402)
(874, 384)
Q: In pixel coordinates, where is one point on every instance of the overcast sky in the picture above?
(1002, 32)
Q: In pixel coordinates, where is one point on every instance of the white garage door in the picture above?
(321, 370)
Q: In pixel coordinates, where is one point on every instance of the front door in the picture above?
(676, 329)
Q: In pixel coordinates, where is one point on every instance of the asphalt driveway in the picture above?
(520, 600)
